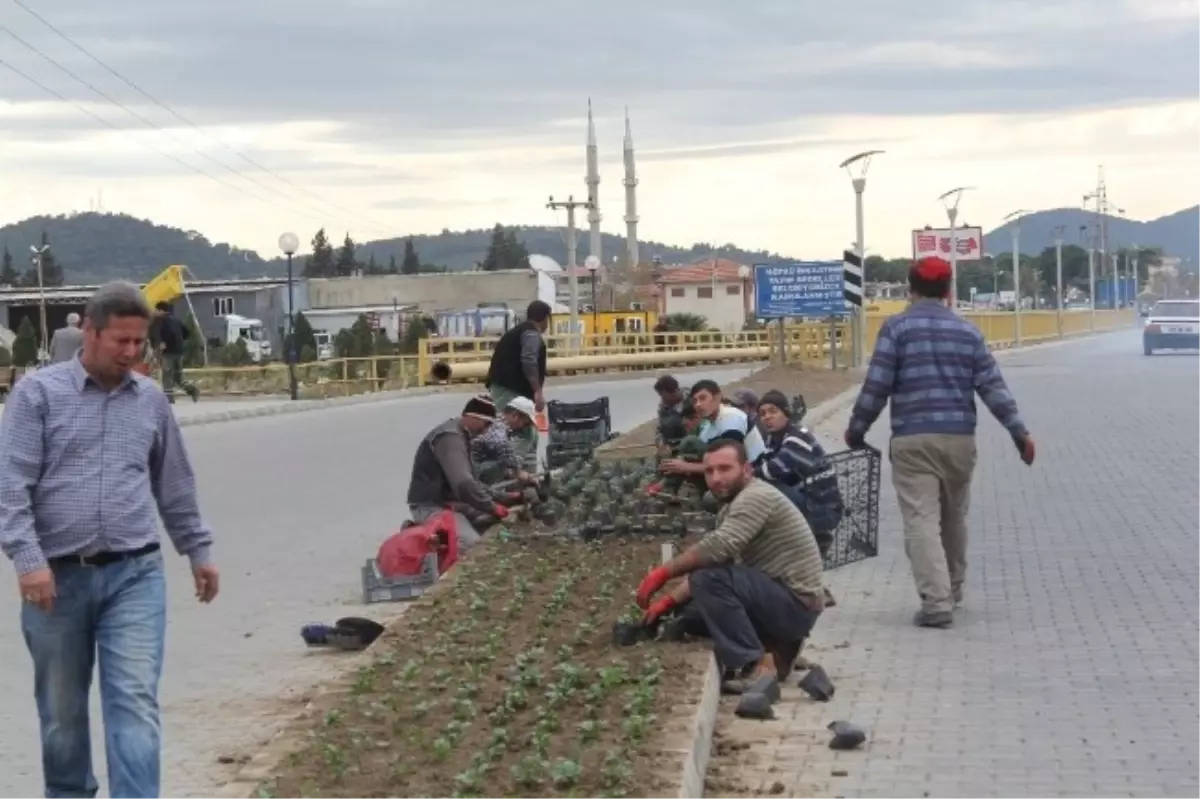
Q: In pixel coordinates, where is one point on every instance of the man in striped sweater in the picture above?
(930, 363)
(755, 580)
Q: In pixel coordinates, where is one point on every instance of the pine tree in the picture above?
(25, 345)
(9, 276)
(320, 263)
(392, 269)
(306, 340)
(516, 255)
(346, 263)
(52, 271)
(373, 266)
(494, 259)
(412, 262)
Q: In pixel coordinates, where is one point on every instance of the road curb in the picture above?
(704, 722)
(285, 407)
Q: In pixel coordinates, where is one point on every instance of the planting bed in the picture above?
(506, 683)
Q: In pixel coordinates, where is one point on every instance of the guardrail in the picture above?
(810, 343)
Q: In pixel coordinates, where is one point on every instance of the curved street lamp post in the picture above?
(289, 244)
(858, 319)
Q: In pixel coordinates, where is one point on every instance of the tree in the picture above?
(193, 345)
(8, 275)
(685, 323)
(346, 263)
(372, 267)
(418, 327)
(320, 263)
(25, 345)
(412, 263)
(516, 256)
(392, 269)
(356, 341)
(236, 354)
(306, 339)
(52, 273)
(494, 258)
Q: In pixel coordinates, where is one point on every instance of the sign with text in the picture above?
(936, 241)
(799, 288)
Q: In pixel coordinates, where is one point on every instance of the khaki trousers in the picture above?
(932, 477)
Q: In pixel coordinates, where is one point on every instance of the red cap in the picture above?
(932, 269)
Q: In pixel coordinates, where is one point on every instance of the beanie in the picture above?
(778, 399)
(932, 269)
(481, 407)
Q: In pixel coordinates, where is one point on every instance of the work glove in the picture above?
(1026, 448)
(855, 440)
(650, 586)
(654, 489)
(499, 511)
(659, 607)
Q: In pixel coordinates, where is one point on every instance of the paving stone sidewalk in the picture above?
(1072, 669)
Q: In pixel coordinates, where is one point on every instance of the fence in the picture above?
(812, 343)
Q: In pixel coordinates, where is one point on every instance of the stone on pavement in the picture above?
(1071, 668)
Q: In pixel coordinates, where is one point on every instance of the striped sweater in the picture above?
(931, 362)
(762, 529)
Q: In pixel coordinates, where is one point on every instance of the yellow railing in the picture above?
(813, 343)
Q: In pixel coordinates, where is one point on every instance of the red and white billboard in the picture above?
(936, 241)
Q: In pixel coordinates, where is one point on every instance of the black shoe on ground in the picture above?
(937, 619)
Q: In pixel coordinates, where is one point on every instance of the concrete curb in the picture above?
(305, 406)
(695, 764)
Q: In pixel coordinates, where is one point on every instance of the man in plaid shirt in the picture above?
(930, 363)
(492, 452)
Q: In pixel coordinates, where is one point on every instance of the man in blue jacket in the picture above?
(930, 363)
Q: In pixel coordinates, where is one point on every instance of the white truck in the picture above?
(251, 331)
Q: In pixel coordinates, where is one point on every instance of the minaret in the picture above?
(631, 216)
(593, 186)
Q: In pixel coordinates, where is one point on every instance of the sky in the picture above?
(385, 117)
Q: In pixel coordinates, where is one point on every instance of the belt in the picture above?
(103, 558)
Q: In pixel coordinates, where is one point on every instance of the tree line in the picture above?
(325, 261)
(52, 270)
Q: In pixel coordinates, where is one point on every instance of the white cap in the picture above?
(523, 406)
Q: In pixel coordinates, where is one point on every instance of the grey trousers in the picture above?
(932, 477)
(468, 536)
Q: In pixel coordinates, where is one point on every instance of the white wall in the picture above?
(723, 310)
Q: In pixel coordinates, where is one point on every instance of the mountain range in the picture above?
(95, 247)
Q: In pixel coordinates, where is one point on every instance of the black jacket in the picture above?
(441, 471)
(506, 369)
(171, 333)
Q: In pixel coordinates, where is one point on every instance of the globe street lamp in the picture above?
(952, 215)
(859, 182)
(289, 244)
(744, 276)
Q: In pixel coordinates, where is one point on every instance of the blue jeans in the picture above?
(118, 612)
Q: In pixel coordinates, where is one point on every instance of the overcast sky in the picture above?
(384, 117)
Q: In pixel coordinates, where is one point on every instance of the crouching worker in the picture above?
(689, 451)
(492, 451)
(796, 464)
(442, 475)
(755, 581)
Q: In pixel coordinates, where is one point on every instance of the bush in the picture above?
(25, 346)
(236, 354)
(685, 323)
(6, 358)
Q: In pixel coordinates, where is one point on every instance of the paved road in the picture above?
(1072, 669)
(297, 503)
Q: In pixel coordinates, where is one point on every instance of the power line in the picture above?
(177, 139)
(188, 122)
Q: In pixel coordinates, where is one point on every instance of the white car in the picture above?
(1172, 325)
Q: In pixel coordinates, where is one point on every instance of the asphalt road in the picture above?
(297, 503)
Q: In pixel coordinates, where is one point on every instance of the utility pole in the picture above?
(1100, 197)
(570, 204)
(1086, 234)
(1015, 220)
(952, 215)
(858, 318)
(1058, 286)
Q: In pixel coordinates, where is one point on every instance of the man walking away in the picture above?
(755, 580)
(66, 341)
(170, 335)
(89, 451)
(930, 363)
(442, 475)
(518, 369)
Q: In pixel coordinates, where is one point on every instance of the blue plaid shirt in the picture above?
(84, 470)
(931, 362)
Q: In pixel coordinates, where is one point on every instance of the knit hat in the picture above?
(932, 269)
(481, 407)
(745, 398)
(778, 399)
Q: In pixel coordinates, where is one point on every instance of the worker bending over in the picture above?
(492, 450)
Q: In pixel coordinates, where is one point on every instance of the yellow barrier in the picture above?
(468, 358)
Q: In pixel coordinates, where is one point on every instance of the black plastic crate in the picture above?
(578, 425)
(857, 535)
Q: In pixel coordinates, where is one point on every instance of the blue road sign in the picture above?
(799, 288)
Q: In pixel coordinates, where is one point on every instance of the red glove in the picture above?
(1026, 448)
(658, 607)
(654, 489)
(499, 511)
(650, 586)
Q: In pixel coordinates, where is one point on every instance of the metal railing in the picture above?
(815, 343)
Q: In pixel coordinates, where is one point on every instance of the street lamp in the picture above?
(1058, 286)
(952, 215)
(289, 244)
(1015, 219)
(859, 182)
(592, 264)
(38, 253)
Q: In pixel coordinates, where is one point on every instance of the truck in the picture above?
(251, 331)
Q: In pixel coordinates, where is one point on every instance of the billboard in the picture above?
(936, 241)
(799, 288)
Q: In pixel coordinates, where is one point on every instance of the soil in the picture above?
(507, 683)
(816, 385)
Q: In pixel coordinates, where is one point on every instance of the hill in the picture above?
(1177, 233)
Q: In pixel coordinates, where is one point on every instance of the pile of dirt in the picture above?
(508, 684)
(817, 386)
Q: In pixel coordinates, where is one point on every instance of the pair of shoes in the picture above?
(939, 619)
(830, 602)
(758, 693)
